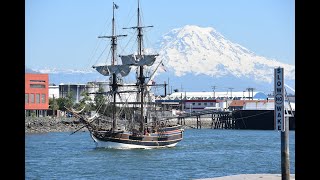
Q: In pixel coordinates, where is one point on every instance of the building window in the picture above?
(205, 104)
(26, 98)
(37, 86)
(31, 98)
(43, 98)
(211, 104)
(38, 98)
(37, 81)
(199, 103)
(193, 104)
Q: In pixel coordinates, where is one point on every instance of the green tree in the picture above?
(85, 102)
(86, 99)
(99, 98)
(53, 104)
(69, 100)
(100, 103)
(65, 102)
(62, 103)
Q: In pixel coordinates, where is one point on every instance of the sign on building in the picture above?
(279, 100)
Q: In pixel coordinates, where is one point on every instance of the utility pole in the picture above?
(231, 91)
(169, 86)
(250, 89)
(214, 95)
(252, 92)
(165, 89)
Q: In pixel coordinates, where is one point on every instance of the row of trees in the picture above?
(86, 101)
(98, 104)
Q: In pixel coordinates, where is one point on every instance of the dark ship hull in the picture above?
(257, 119)
(165, 137)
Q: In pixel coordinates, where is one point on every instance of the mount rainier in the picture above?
(207, 58)
(198, 58)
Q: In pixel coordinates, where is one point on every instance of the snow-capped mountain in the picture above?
(199, 58)
(196, 59)
(197, 50)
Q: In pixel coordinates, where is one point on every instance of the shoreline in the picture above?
(48, 124)
(37, 125)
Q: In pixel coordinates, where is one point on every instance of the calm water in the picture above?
(201, 154)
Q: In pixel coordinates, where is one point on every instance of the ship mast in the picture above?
(141, 77)
(114, 85)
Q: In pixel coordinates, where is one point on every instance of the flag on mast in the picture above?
(116, 6)
(162, 67)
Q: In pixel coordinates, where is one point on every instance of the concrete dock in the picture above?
(251, 177)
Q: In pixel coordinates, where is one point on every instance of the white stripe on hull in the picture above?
(116, 145)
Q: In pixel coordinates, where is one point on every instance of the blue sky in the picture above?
(62, 34)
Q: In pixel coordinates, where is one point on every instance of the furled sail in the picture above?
(74, 111)
(90, 119)
(102, 70)
(123, 70)
(147, 60)
(128, 60)
(143, 60)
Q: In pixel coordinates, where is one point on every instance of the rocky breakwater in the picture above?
(71, 124)
(50, 124)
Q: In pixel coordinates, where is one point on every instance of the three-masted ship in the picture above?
(144, 132)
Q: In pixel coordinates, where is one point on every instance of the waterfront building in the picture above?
(36, 94)
(94, 86)
(74, 89)
(198, 101)
(258, 105)
(53, 91)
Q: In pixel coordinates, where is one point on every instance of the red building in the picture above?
(36, 94)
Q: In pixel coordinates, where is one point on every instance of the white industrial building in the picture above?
(187, 101)
(266, 105)
(53, 91)
(126, 92)
(74, 89)
(216, 95)
(198, 101)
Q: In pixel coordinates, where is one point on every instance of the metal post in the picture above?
(214, 94)
(165, 89)
(77, 99)
(285, 162)
(53, 103)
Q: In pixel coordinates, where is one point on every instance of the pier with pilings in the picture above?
(208, 119)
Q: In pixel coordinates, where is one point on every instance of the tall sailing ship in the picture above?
(145, 129)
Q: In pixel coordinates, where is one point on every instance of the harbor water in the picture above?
(203, 153)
